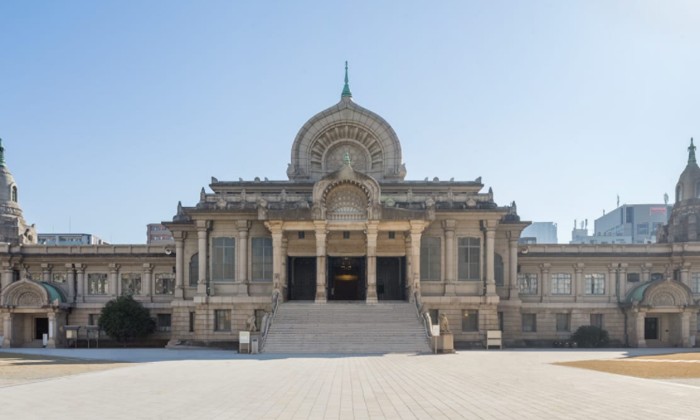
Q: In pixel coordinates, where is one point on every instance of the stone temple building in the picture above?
(349, 229)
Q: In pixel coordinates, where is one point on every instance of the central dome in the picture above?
(346, 128)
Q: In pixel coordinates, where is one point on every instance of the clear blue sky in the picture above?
(113, 111)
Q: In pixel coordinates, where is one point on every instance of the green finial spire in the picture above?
(2, 154)
(346, 89)
(346, 158)
(691, 153)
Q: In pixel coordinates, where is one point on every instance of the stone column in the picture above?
(414, 279)
(180, 264)
(51, 344)
(646, 272)
(514, 293)
(242, 279)
(685, 273)
(7, 330)
(202, 230)
(283, 279)
(5, 277)
(320, 230)
(46, 272)
(450, 266)
(685, 328)
(81, 283)
(372, 232)
(545, 283)
(114, 285)
(579, 286)
(147, 287)
(490, 244)
(622, 285)
(610, 282)
(639, 326)
(276, 228)
(71, 279)
(409, 264)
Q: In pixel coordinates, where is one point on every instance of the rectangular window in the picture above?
(98, 284)
(262, 259)
(529, 322)
(165, 284)
(657, 276)
(430, 258)
(131, 284)
(595, 284)
(563, 322)
(194, 270)
(222, 320)
(392, 235)
(561, 284)
(192, 315)
(642, 229)
(346, 235)
(527, 283)
(632, 277)
(597, 320)
(223, 259)
(469, 259)
(695, 282)
(470, 320)
(93, 319)
(58, 277)
(301, 235)
(163, 322)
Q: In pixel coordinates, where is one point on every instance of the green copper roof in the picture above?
(691, 152)
(346, 89)
(637, 294)
(54, 293)
(2, 154)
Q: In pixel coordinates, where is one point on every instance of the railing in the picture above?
(424, 317)
(269, 317)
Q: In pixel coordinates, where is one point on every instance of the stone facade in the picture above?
(347, 225)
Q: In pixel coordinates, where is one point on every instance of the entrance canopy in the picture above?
(31, 294)
(661, 294)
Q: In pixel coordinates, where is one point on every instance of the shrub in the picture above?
(125, 319)
(590, 336)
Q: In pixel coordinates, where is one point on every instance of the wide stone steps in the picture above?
(346, 327)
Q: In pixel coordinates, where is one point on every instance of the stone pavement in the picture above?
(209, 384)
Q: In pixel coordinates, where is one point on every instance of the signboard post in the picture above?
(435, 330)
(244, 341)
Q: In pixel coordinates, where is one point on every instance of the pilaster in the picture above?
(242, 280)
(450, 266)
(321, 233)
(372, 231)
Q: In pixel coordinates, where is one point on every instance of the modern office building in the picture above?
(539, 233)
(157, 233)
(69, 239)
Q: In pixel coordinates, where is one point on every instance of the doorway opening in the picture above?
(346, 278)
(391, 279)
(41, 327)
(651, 328)
(301, 278)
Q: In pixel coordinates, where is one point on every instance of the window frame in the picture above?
(164, 288)
(265, 266)
(222, 320)
(431, 258)
(470, 320)
(103, 287)
(594, 284)
(469, 258)
(223, 265)
(528, 277)
(561, 284)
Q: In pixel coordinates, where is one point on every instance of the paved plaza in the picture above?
(212, 384)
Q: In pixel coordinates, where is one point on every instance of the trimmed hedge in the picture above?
(590, 336)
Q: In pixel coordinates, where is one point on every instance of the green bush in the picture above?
(590, 336)
(125, 319)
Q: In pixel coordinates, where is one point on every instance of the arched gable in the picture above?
(661, 293)
(25, 294)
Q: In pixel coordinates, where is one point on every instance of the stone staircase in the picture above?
(346, 327)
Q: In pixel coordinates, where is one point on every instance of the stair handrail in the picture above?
(269, 317)
(423, 316)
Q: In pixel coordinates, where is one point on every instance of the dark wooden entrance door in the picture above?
(651, 328)
(346, 278)
(390, 278)
(301, 278)
(41, 327)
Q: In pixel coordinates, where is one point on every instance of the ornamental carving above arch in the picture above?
(346, 202)
(25, 294)
(668, 293)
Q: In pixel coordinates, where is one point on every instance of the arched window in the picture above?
(697, 190)
(498, 269)
(14, 193)
(679, 192)
(194, 270)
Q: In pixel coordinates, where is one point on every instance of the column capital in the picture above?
(244, 225)
(578, 267)
(203, 225)
(148, 268)
(489, 225)
(275, 226)
(113, 268)
(449, 225)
